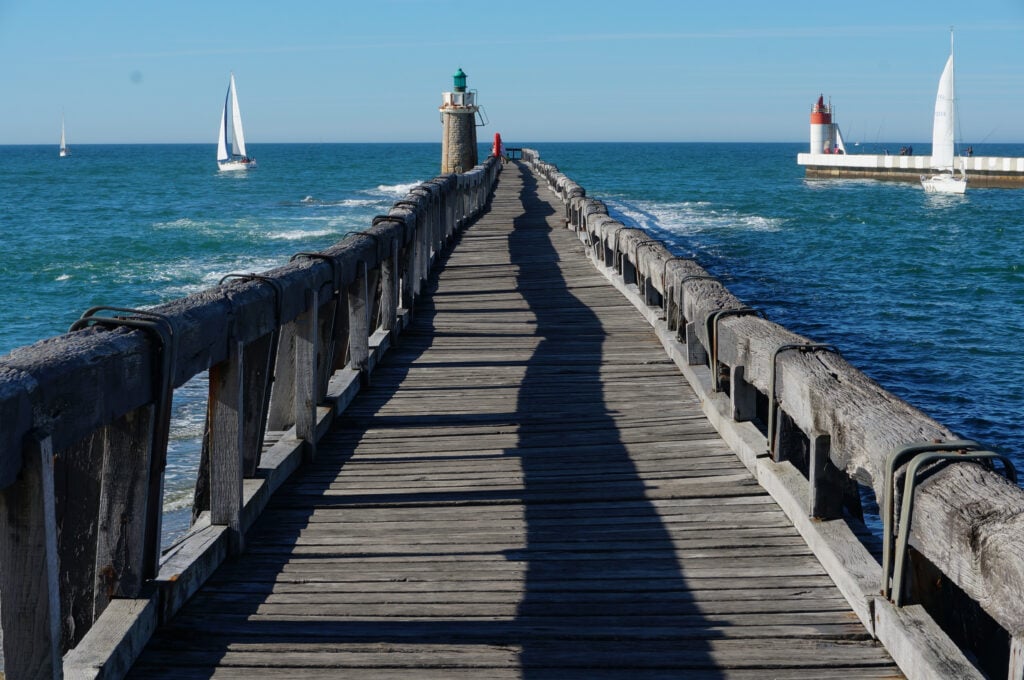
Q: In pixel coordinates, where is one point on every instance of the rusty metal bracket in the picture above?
(773, 404)
(615, 248)
(384, 218)
(333, 261)
(375, 237)
(664, 284)
(712, 328)
(391, 218)
(894, 558)
(335, 296)
(275, 336)
(272, 282)
(161, 329)
(664, 268)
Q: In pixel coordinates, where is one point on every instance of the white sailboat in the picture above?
(943, 137)
(231, 135)
(64, 150)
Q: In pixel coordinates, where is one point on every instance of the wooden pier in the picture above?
(471, 442)
(528, 489)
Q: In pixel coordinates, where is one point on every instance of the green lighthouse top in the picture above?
(460, 81)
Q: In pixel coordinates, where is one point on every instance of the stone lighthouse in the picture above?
(458, 118)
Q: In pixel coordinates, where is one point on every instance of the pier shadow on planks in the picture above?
(527, 489)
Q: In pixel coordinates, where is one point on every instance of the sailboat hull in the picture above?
(238, 164)
(944, 184)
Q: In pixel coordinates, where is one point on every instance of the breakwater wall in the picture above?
(982, 171)
(85, 419)
(819, 434)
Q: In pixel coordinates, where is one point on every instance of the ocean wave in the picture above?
(298, 234)
(690, 218)
(338, 203)
(178, 499)
(181, 223)
(397, 190)
(361, 202)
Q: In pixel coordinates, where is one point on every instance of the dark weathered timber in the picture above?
(528, 489)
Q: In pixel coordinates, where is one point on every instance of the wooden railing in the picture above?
(85, 421)
(816, 430)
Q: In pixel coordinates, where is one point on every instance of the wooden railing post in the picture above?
(389, 289)
(124, 489)
(407, 274)
(305, 394)
(826, 482)
(281, 412)
(257, 364)
(696, 355)
(359, 324)
(226, 424)
(30, 632)
(743, 395)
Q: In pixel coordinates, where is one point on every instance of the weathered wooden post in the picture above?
(226, 414)
(305, 395)
(30, 632)
(458, 116)
(359, 323)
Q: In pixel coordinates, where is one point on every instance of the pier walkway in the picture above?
(528, 488)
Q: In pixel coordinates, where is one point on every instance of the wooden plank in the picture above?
(30, 631)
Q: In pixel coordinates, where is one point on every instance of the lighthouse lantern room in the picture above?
(458, 118)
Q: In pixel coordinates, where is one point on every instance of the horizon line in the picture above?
(488, 143)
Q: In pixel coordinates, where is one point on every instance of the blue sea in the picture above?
(924, 293)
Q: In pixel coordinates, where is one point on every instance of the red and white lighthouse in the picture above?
(825, 136)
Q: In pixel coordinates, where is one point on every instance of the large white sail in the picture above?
(238, 137)
(63, 139)
(943, 128)
(231, 153)
(222, 136)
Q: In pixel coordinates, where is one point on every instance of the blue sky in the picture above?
(644, 70)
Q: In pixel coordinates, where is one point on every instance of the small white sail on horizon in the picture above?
(64, 150)
(231, 134)
(944, 136)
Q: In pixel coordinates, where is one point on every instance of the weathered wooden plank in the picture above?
(30, 609)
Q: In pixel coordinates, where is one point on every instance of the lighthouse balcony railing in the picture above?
(459, 99)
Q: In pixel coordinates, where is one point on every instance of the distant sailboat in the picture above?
(64, 150)
(943, 137)
(231, 134)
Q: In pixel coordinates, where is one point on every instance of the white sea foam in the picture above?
(181, 223)
(299, 234)
(63, 277)
(360, 202)
(178, 499)
(691, 217)
(397, 190)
